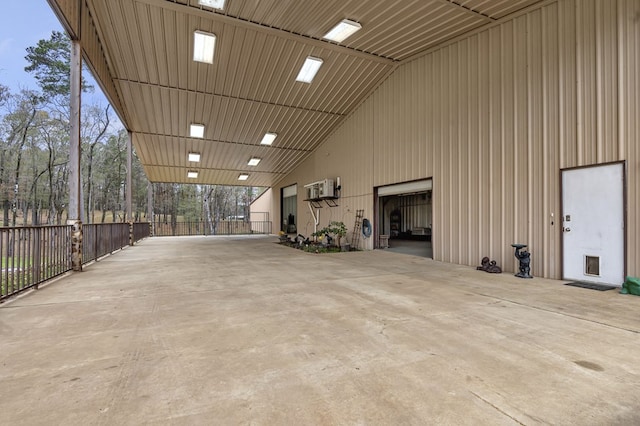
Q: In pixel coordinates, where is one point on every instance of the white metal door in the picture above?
(593, 224)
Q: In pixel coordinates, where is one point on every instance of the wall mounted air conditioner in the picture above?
(326, 188)
(312, 192)
(320, 189)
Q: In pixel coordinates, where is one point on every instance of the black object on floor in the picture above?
(592, 286)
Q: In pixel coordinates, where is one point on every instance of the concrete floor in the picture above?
(412, 248)
(209, 330)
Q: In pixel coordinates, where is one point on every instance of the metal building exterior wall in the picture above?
(628, 125)
(493, 118)
(347, 154)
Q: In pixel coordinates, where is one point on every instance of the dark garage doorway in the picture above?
(405, 213)
(288, 209)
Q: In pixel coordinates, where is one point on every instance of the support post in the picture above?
(150, 207)
(75, 199)
(129, 214)
(129, 170)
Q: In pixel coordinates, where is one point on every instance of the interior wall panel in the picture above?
(493, 118)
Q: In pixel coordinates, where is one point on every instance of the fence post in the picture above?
(37, 256)
(131, 236)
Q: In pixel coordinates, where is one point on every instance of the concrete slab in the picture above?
(211, 330)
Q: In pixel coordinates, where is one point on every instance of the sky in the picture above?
(22, 24)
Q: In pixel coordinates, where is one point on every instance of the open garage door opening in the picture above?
(288, 209)
(405, 217)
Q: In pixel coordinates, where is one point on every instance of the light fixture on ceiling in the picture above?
(203, 46)
(342, 31)
(194, 157)
(243, 176)
(214, 4)
(268, 138)
(254, 161)
(309, 69)
(196, 131)
(192, 174)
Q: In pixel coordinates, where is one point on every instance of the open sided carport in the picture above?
(240, 330)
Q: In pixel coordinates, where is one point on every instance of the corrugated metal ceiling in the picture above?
(250, 89)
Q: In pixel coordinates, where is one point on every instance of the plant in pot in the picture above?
(335, 228)
(339, 230)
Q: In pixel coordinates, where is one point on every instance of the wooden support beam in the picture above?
(150, 206)
(129, 213)
(75, 197)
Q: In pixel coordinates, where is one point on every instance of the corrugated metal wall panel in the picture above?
(465, 153)
(629, 126)
(520, 208)
(551, 213)
(586, 71)
(607, 75)
(352, 161)
(537, 143)
(494, 117)
(568, 99)
(248, 90)
(71, 13)
(259, 210)
(496, 211)
(422, 22)
(68, 12)
(475, 159)
(507, 153)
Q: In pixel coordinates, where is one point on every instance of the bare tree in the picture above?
(17, 124)
(95, 127)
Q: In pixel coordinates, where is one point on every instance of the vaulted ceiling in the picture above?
(141, 52)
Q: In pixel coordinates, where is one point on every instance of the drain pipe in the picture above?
(316, 218)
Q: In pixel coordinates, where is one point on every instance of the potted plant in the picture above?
(335, 228)
(338, 229)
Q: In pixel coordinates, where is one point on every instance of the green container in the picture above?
(631, 286)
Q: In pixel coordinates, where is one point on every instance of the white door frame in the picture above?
(624, 211)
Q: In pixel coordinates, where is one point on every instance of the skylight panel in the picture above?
(203, 46)
(214, 4)
(309, 69)
(268, 138)
(196, 130)
(345, 29)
